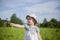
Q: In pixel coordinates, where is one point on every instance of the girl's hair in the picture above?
(35, 22)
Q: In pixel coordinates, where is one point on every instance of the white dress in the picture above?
(31, 33)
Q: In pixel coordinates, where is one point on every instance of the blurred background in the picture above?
(15, 11)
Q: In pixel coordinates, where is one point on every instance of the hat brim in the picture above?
(31, 17)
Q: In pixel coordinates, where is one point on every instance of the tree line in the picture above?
(13, 19)
(53, 23)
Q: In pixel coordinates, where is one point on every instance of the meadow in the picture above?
(11, 33)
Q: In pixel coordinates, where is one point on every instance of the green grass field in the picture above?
(10, 33)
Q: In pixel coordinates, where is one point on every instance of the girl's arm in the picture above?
(39, 36)
(17, 25)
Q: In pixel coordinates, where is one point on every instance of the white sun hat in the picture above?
(33, 16)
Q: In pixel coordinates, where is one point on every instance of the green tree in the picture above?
(45, 23)
(1, 23)
(58, 24)
(53, 20)
(16, 20)
(53, 23)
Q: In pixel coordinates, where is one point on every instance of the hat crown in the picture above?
(33, 15)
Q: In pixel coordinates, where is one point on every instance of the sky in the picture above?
(41, 8)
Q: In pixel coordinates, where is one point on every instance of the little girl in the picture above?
(32, 31)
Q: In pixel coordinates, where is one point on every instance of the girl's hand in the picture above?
(12, 24)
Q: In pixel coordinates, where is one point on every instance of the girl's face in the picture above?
(30, 21)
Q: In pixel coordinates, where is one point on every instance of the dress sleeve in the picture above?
(37, 30)
(26, 26)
